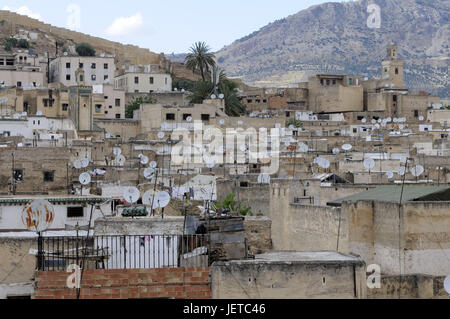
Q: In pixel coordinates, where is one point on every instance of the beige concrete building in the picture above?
(22, 70)
(146, 79)
(98, 70)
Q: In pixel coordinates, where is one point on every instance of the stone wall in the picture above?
(258, 234)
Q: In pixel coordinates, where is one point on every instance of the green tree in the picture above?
(200, 58)
(183, 84)
(230, 203)
(9, 43)
(135, 104)
(23, 44)
(294, 122)
(85, 49)
(201, 90)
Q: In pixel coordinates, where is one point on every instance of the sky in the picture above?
(162, 25)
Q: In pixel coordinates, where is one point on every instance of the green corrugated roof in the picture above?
(392, 193)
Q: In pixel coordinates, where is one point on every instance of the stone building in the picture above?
(22, 70)
(146, 79)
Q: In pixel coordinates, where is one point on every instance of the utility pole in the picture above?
(13, 180)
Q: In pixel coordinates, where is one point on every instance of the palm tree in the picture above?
(200, 58)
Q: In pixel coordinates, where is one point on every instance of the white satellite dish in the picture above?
(377, 126)
(379, 121)
(243, 148)
(39, 113)
(401, 171)
(324, 163)
(347, 147)
(291, 127)
(417, 170)
(131, 195)
(189, 119)
(222, 122)
(120, 160)
(421, 118)
(38, 215)
(147, 197)
(336, 151)
(144, 160)
(161, 135)
(395, 120)
(211, 164)
(153, 165)
(390, 175)
(117, 151)
(221, 96)
(85, 178)
(447, 284)
(149, 173)
(213, 97)
(77, 164)
(389, 120)
(369, 164)
(303, 147)
(161, 200)
(364, 120)
(264, 178)
(84, 162)
(374, 121)
(401, 126)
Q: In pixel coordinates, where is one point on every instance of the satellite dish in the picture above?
(364, 120)
(161, 200)
(336, 151)
(374, 121)
(211, 165)
(213, 97)
(421, 118)
(85, 178)
(389, 120)
(303, 147)
(38, 215)
(144, 160)
(84, 162)
(149, 173)
(417, 170)
(401, 126)
(264, 178)
(379, 121)
(222, 122)
(153, 165)
(77, 164)
(221, 96)
(447, 284)
(147, 197)
(291, 127)
(377, 126)
(401, 171)
(120, 160)
(347, 147)
(322, 162)
(161, 135)
(390, 175)
(369, 164)
(131, 195)
(189, 119)
(395, 120)
(117, 151)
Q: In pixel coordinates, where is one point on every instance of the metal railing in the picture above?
(124, 252)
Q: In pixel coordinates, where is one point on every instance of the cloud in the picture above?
(124, 26)
(24, 10)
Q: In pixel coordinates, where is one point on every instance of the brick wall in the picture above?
(178, 283)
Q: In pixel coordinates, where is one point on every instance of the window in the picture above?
(205, 117)
(81, 65)
(105, 66)
(110, 106)
(249, 101)
(166, 81)
(136, 80)
(68, 65)
(258, 101)
(75, 212)
(18, 175)
(416, 113)
(68, 77)
(19, 84)
(93, 77)
(152, 80)
(49, 176)
(106, 77)
(117, 116)
(170, 117)
(117, 102)
(93, 66)
(350, 81)
(98, 108)
(185, 116)
(394, 98)
(81, 78)
(321, 81)
(106, 112)
(334, 82)
(288, 114)
(65, 107)
(328, 82)
(264, 101)
(396, 70)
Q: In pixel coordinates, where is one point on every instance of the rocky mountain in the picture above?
(335, 38)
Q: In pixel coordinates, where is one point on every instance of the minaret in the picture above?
(392, 67)
(80, 77)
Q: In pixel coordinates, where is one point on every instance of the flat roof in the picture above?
(392, 193)
(22, 200)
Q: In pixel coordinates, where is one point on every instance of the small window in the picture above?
(110, 106)
(152, 80)
(81, 65)
(416, 113)
(350, 81)
(117, 116)
(288, 114)
(94, 77)
(205, 117)
(117, 102)
(68, 65)
(93, 66)
(328, 82)
(18, 175)
(49, 176)
(136, 80)
(105, 66)
(68, 77)
(75, 212)
(65, 107)
(394, 98)
(81, 78)
(166, 81)
(396, 70)
(170, 117)
(249, 101)
(98, 108)
(106, 77)
(19, 84)
(244, 184)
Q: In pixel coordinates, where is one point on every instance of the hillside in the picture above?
(334, 38)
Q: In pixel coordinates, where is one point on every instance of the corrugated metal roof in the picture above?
(56, 200)
(392, 193)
